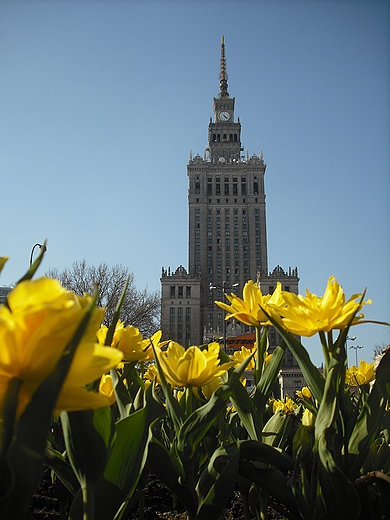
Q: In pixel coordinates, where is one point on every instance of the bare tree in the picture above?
(140, 308)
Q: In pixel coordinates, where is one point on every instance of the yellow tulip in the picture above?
(306, 315)
(284, 406)
(191, 367)
(128, 340)
(240, 355)
(249, 309)
(41, 320)
(308, 419)
(107, 388)
(151, 374)
(360, 376)
(304, 393)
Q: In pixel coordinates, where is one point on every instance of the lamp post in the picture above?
(223, 287)
(355, 347)
(32, 251)
(352, 338)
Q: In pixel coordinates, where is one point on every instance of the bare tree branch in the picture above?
(140, 308)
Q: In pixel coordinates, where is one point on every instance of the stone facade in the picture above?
(227, 235)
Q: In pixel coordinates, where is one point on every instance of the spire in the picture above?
(223, 86)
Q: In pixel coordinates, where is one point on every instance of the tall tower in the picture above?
(227, 239)
(227, 216)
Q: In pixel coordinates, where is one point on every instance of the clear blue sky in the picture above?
(101, 103)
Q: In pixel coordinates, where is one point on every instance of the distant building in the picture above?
(3, 293)
(227, 240)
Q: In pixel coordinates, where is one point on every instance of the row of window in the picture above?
(223, 186)
(233, 138)
(180, 291)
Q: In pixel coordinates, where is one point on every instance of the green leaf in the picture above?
(123, 398)
(369, 420)
(126, 462)
(217, 482)
(245, 409)
(171, 474)
(199, 422)
(277, 429)
(88, 436)
(268, 378)
(64, 471)
(257, 451)
(115, 317)
(272, 481)
(338, 493)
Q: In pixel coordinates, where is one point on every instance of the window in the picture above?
(243, 186)
(209, 186)
(188, 292)
(218, 186)
(173, 291)
(226, 186)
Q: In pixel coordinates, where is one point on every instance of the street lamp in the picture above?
(32, 251)
(351, 338)
(355, 347)
(223, 287)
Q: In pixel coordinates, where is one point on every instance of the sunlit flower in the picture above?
(191, 367)
(305, 392)
(286, 405)
(308, 419)
(107, 388)
(127, 339)
(249, 309)
(211, 387)
(306, 315)
(151, 374)
(360, 376)
(240, 355)
(41, 320)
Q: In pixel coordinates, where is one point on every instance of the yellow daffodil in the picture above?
(305, 392)
(240, 355)
(191, 367)
(286, 405)
(41, 320)
(249, 309)
(360, 376)
(306, 315)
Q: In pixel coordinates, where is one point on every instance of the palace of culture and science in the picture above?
(227, 241)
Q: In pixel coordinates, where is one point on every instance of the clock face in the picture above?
(222, 159)
(224, 116)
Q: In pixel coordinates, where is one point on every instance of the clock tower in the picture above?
(224, 133)
(227, 242)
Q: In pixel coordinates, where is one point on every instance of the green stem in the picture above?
(88, 502)
(325, 351)
(188, 401)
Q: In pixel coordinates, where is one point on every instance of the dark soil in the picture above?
(158, 503)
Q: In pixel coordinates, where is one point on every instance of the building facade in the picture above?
(227, 233)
